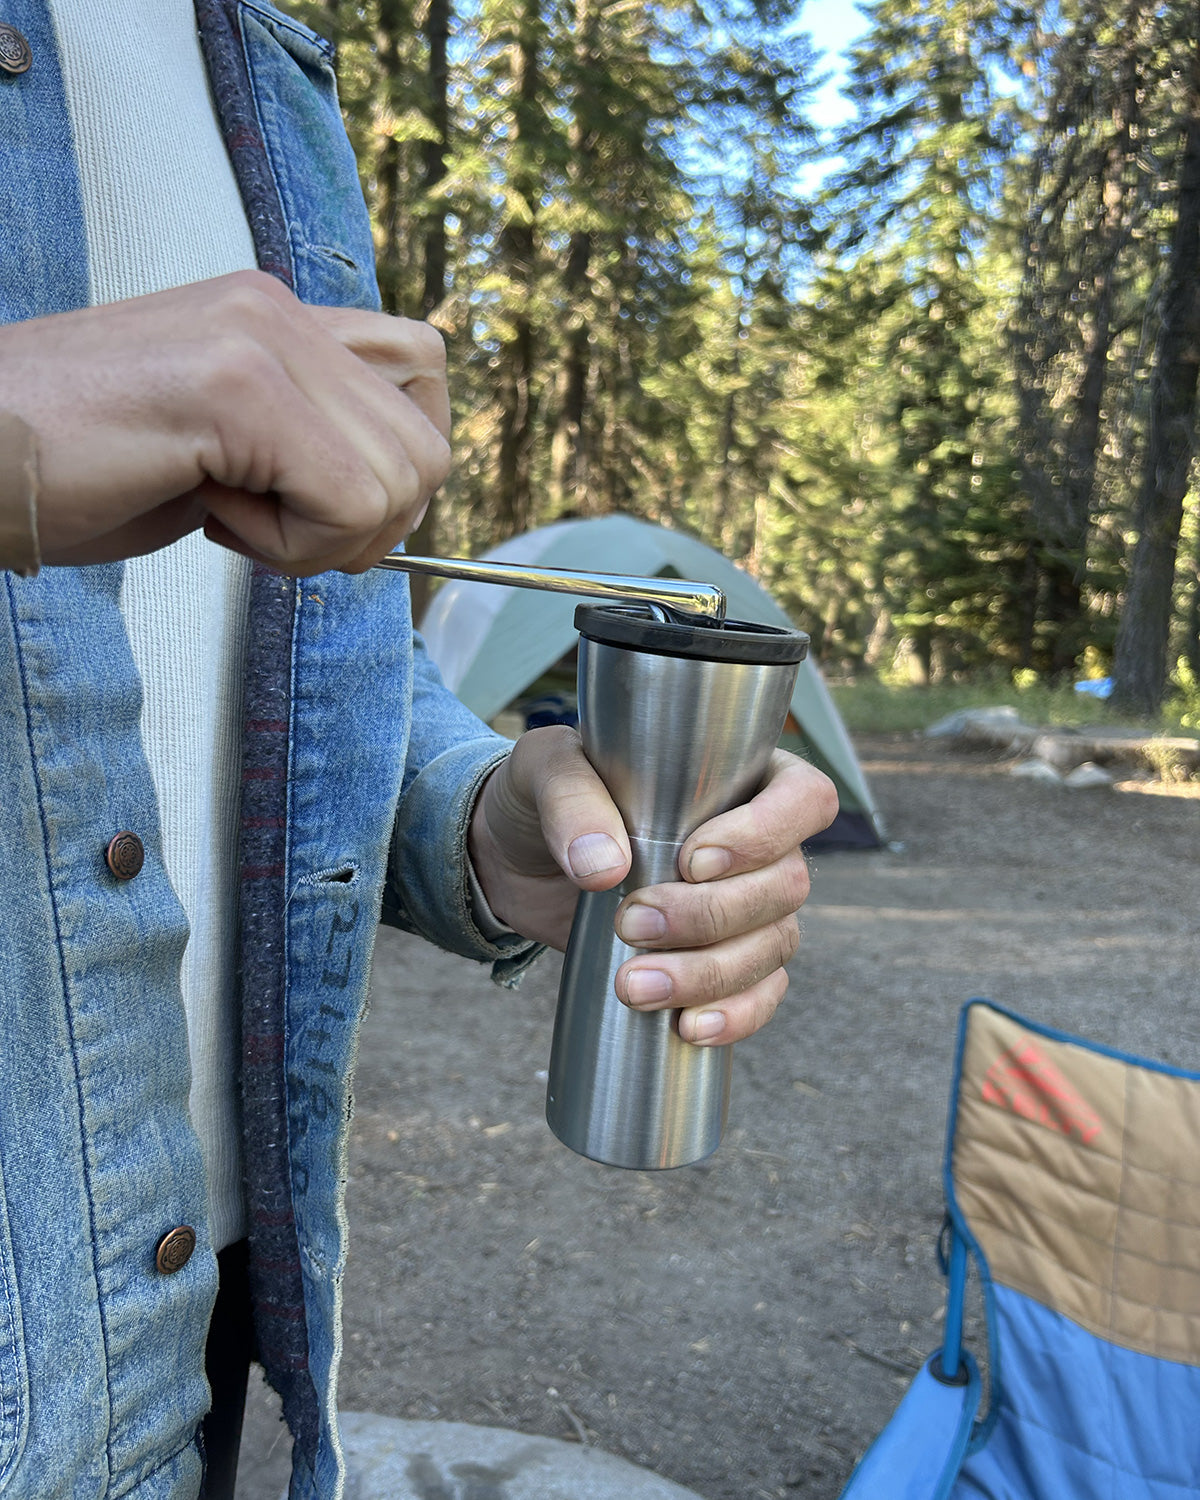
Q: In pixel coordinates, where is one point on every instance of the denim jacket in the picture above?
(359, 773)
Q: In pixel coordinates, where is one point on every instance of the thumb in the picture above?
(578, 822)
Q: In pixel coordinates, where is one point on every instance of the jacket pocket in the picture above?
(295, 95)
(14, 1375)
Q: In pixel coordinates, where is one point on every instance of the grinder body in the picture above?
(679, 721)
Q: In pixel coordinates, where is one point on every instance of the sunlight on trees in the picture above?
(943, 404)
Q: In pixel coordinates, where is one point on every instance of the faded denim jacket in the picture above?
(359, 773)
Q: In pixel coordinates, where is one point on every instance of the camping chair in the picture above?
(1072, 1181)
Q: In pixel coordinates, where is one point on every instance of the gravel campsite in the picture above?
(746, 1326)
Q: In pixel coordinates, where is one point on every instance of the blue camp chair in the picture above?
(1072, 1180)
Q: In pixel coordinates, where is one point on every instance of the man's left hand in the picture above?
(713, 944)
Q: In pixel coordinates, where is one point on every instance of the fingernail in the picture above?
(639, 924)
(708, 1023)
(593, 853)
(646, 986)
(708, 863)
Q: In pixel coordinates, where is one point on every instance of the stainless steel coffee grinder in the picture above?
(679, 711)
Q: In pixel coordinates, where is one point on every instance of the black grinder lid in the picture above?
(741, 641)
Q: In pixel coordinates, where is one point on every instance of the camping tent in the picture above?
(494, 643)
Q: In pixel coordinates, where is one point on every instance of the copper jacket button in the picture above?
(125, 855)
(15, 53)
(175, 1249)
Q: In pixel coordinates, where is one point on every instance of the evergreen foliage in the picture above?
(942, 402)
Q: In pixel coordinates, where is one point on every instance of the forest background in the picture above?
(929, 374)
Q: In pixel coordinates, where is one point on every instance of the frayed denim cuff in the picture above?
(428, 888)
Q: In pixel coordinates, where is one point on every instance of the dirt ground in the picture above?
(743, 1327)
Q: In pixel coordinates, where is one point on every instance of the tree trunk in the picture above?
(569, 454)
(1062, 511)
(1069, 539)
(724, 520)
(437, 38)
(1028, 609)
(518, 247)
(1140, 661)
(433, 243)
(391, 196)
(516, 431)
(922, 645)
(571, 480)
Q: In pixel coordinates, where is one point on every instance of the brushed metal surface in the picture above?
(677, 596)
(676, 741)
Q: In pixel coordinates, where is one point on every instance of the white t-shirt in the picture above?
(162, 209)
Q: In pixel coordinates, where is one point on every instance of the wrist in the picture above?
(482, 854)
(19, 550)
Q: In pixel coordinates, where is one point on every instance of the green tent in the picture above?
(497, 646)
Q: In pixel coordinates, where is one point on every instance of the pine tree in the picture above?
(1140, 664)
(926, 152)
(1091, 194)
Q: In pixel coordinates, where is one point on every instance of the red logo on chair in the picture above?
(1026, 1082)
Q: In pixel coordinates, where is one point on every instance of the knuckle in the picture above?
(234, 367)
(708, 927)
(428, 345)
(440, 459)
(560, 747)
(362, 510)
(418, 466)
(375, 507)
(232, 380)
(712, 982)
(403, 488)
(797, 882)
(826, 800)
(248, 298)
(710, 915)
(771, 995)
(776, 835)
(758, 1005)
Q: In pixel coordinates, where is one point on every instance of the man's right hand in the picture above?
(305, 437)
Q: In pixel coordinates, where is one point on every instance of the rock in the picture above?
(1037, 770)
(1088, 774)
(949, 727)
(998, 728)
(953, 725)
(1062, 748)
(389, 1459)
(1059, 749)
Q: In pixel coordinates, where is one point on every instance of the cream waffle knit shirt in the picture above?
(162, 210)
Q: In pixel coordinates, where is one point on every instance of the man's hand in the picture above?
(305, 437)
(714, 944)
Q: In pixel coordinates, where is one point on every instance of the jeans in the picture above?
(227, 1360)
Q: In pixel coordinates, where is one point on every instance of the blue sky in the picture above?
(833, 25)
